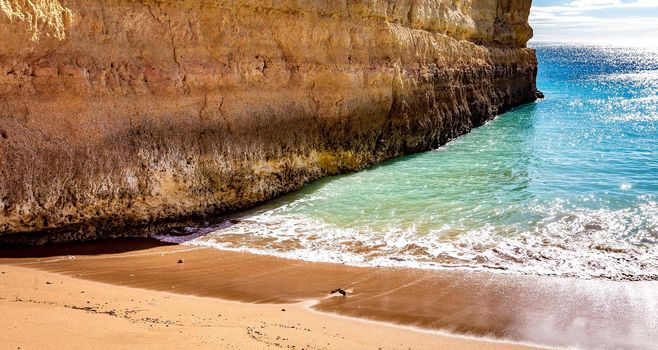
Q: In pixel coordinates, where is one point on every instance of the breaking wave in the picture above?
(607, 244)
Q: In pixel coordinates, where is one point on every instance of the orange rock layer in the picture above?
(117, 115)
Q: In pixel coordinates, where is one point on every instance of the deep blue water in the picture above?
(565, 186)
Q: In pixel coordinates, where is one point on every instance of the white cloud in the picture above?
(580, 6)
(578, 20)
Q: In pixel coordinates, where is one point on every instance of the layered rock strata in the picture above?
(123, 114)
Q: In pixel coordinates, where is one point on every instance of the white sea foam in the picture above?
(607, 244)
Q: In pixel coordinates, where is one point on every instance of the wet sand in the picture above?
(539, 310)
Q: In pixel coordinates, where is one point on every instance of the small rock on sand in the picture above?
(180, 261)
(340, 291)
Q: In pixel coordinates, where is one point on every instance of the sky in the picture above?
(614, 22)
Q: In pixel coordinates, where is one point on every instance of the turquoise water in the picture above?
(565, 186)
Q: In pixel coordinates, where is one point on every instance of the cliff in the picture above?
(117, 115)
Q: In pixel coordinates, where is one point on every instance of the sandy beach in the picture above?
(137, 294)
(45, 309)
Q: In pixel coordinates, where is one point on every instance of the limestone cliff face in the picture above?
(118, 114)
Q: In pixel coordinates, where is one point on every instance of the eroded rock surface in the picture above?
(119, 114)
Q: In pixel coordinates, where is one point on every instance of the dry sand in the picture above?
(136, 294)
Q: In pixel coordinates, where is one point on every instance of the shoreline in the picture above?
(558, 312)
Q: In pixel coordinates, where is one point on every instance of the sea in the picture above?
(566, 186)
